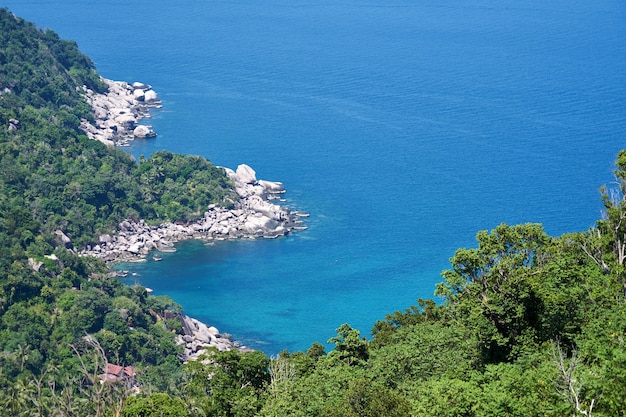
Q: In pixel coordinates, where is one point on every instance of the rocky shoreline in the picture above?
(253, 216)
(118, 112)
(116, 115)
(197, 336)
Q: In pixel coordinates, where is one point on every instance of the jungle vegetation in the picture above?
(523, 324)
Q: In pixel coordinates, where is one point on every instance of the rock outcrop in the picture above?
(197, 336)
(253, 216)
(14, 124)
(118, 112)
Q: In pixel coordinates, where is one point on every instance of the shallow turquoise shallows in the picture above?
(402, 126)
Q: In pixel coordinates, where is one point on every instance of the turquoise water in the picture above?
(403, 127)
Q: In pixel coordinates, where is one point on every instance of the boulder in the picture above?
(140, 86)
(107, 142)
(230, 173)
(14, 124)
(121, 109)
(256, 223)
(139, 95)
(250, 190)
(64, 238)
(134, 248)
(150, 96)
(101, 113)
(272, 186)
(106, 238)
(126, 121)
(196, 346)
(258, 205)
(143, 132)
(245, 174)
(34, 264)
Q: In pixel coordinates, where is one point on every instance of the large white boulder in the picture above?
(230, 173)
(258, 205)
(143, 132)
(259, 223)
(127, 121)
(150, 96)
(134, 248)
(140, 86)
(139, 95)
(272, 186)
(64, 238)
(245, 174)
(106, 238)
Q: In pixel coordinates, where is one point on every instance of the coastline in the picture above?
(118, 112)
(116, 115)
(253, 215)
(197, 336)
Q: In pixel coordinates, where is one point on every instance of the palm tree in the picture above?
(15, 398)
(22, 355)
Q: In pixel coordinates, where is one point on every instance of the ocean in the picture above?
(402, 127)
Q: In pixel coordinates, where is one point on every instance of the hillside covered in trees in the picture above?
(524, 324)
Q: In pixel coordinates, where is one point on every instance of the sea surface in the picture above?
(402, 126)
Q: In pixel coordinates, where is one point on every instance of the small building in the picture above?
(116, 373)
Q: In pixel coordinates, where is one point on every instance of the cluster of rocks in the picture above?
(197, 336)
(253, 216)
(118, 112)
(14, 124)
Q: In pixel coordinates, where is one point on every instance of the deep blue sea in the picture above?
(402, 126)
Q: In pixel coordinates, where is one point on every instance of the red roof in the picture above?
(129, 371)
(113, 369)
(114, 373)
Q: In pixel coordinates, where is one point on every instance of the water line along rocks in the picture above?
(253, 216)
(116, 115)
(196, 336)
(118, 111)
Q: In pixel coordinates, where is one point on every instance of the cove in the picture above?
(402, 127)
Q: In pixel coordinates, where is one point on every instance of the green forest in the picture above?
(522, 324)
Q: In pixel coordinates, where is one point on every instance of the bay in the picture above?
(403, 127)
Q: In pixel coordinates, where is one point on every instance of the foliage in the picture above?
(493, 287)
(229, 384)
(52, 177)
(155, 405)
(349, 346)
(529, 325)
